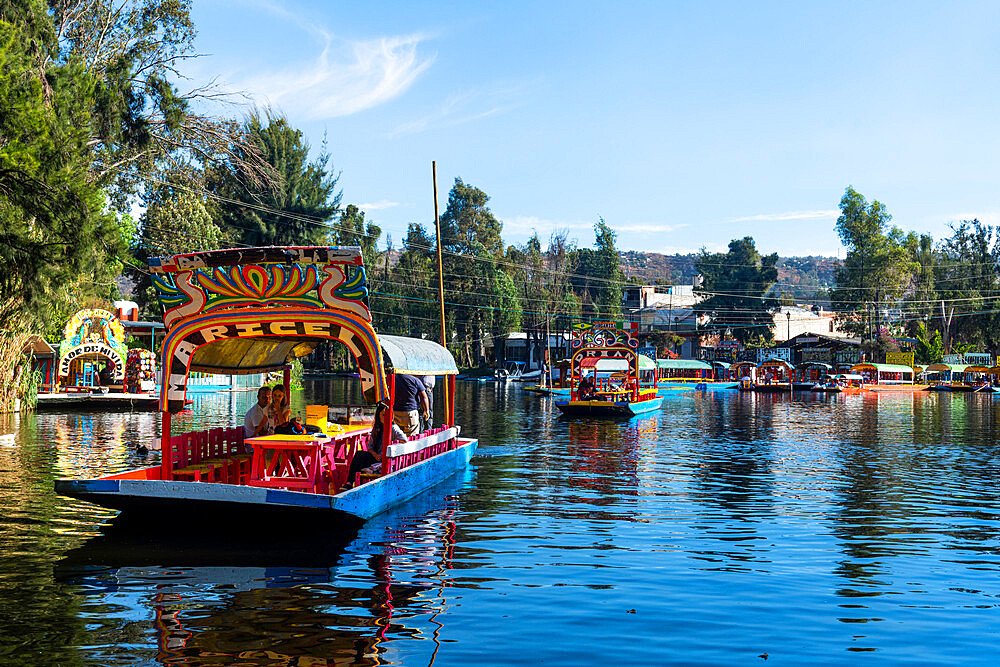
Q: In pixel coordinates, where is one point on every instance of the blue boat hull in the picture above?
(695, 386)
(181, 503)
(607, 408)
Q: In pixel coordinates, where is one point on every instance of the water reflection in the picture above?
(809, 527)
(342, 598)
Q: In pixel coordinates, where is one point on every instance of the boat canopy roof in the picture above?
(245, 356)
(686, 364)
(771, 363)
(616, 364)
(724, 364)
(954, 368)
(977, 369)
(821, 364)
(416, 356)
(883, 368)
(849, 376)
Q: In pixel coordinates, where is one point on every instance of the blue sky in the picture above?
(683, 124)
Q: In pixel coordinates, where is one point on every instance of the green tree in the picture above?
(352, 230)
(475, 278)
(293, 209)
(929, 348)
(58, 241)
(736, 284)
(545, 293)
(131, 49)
(922, 293)
(410, 293)
(177, 220)
(877, 269)
(599, 277)
(967, 280)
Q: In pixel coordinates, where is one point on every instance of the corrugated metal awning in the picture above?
(416, 356)
(686, 364)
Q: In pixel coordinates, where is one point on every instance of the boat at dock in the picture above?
(842, 383)
(690, 375)
(622, 393)
(254, 310)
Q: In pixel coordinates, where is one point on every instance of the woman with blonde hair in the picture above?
(278, 412)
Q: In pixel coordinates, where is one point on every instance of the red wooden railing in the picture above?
(395, 463)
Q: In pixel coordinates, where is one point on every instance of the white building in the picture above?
(790, 321)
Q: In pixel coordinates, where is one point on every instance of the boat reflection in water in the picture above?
(314, 600)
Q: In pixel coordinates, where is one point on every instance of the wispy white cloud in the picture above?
(378, 205)
(343, 78)
(790, 215)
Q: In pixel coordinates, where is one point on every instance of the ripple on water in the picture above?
(726, 526)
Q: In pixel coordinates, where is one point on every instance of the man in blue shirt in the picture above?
(411, 397)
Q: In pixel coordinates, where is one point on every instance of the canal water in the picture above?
(725, 529)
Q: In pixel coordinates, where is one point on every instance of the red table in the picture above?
(309, 462)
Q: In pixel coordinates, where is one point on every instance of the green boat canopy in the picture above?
(683, 364)
(954, 368)
(416, 356)
(645, 363)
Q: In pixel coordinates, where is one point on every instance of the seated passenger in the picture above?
(278, 412)
(256, 422)
(370, 458)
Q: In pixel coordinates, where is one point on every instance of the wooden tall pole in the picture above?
(548, 352)
(449, 408)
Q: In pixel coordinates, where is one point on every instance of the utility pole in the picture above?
(444, 334)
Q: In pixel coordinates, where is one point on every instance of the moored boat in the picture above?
(689, 375)
(254, 310)
(843, 383)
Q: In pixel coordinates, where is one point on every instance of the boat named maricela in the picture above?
(255, 310)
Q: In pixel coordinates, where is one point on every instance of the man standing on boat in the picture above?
(411, 396)
(255, 423)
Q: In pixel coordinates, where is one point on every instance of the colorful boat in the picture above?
(624, 393)
(689, 374)
(774, 375)
(254, 310)
(958, 377)
(843, 383)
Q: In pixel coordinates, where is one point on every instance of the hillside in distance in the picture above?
(802, 277)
